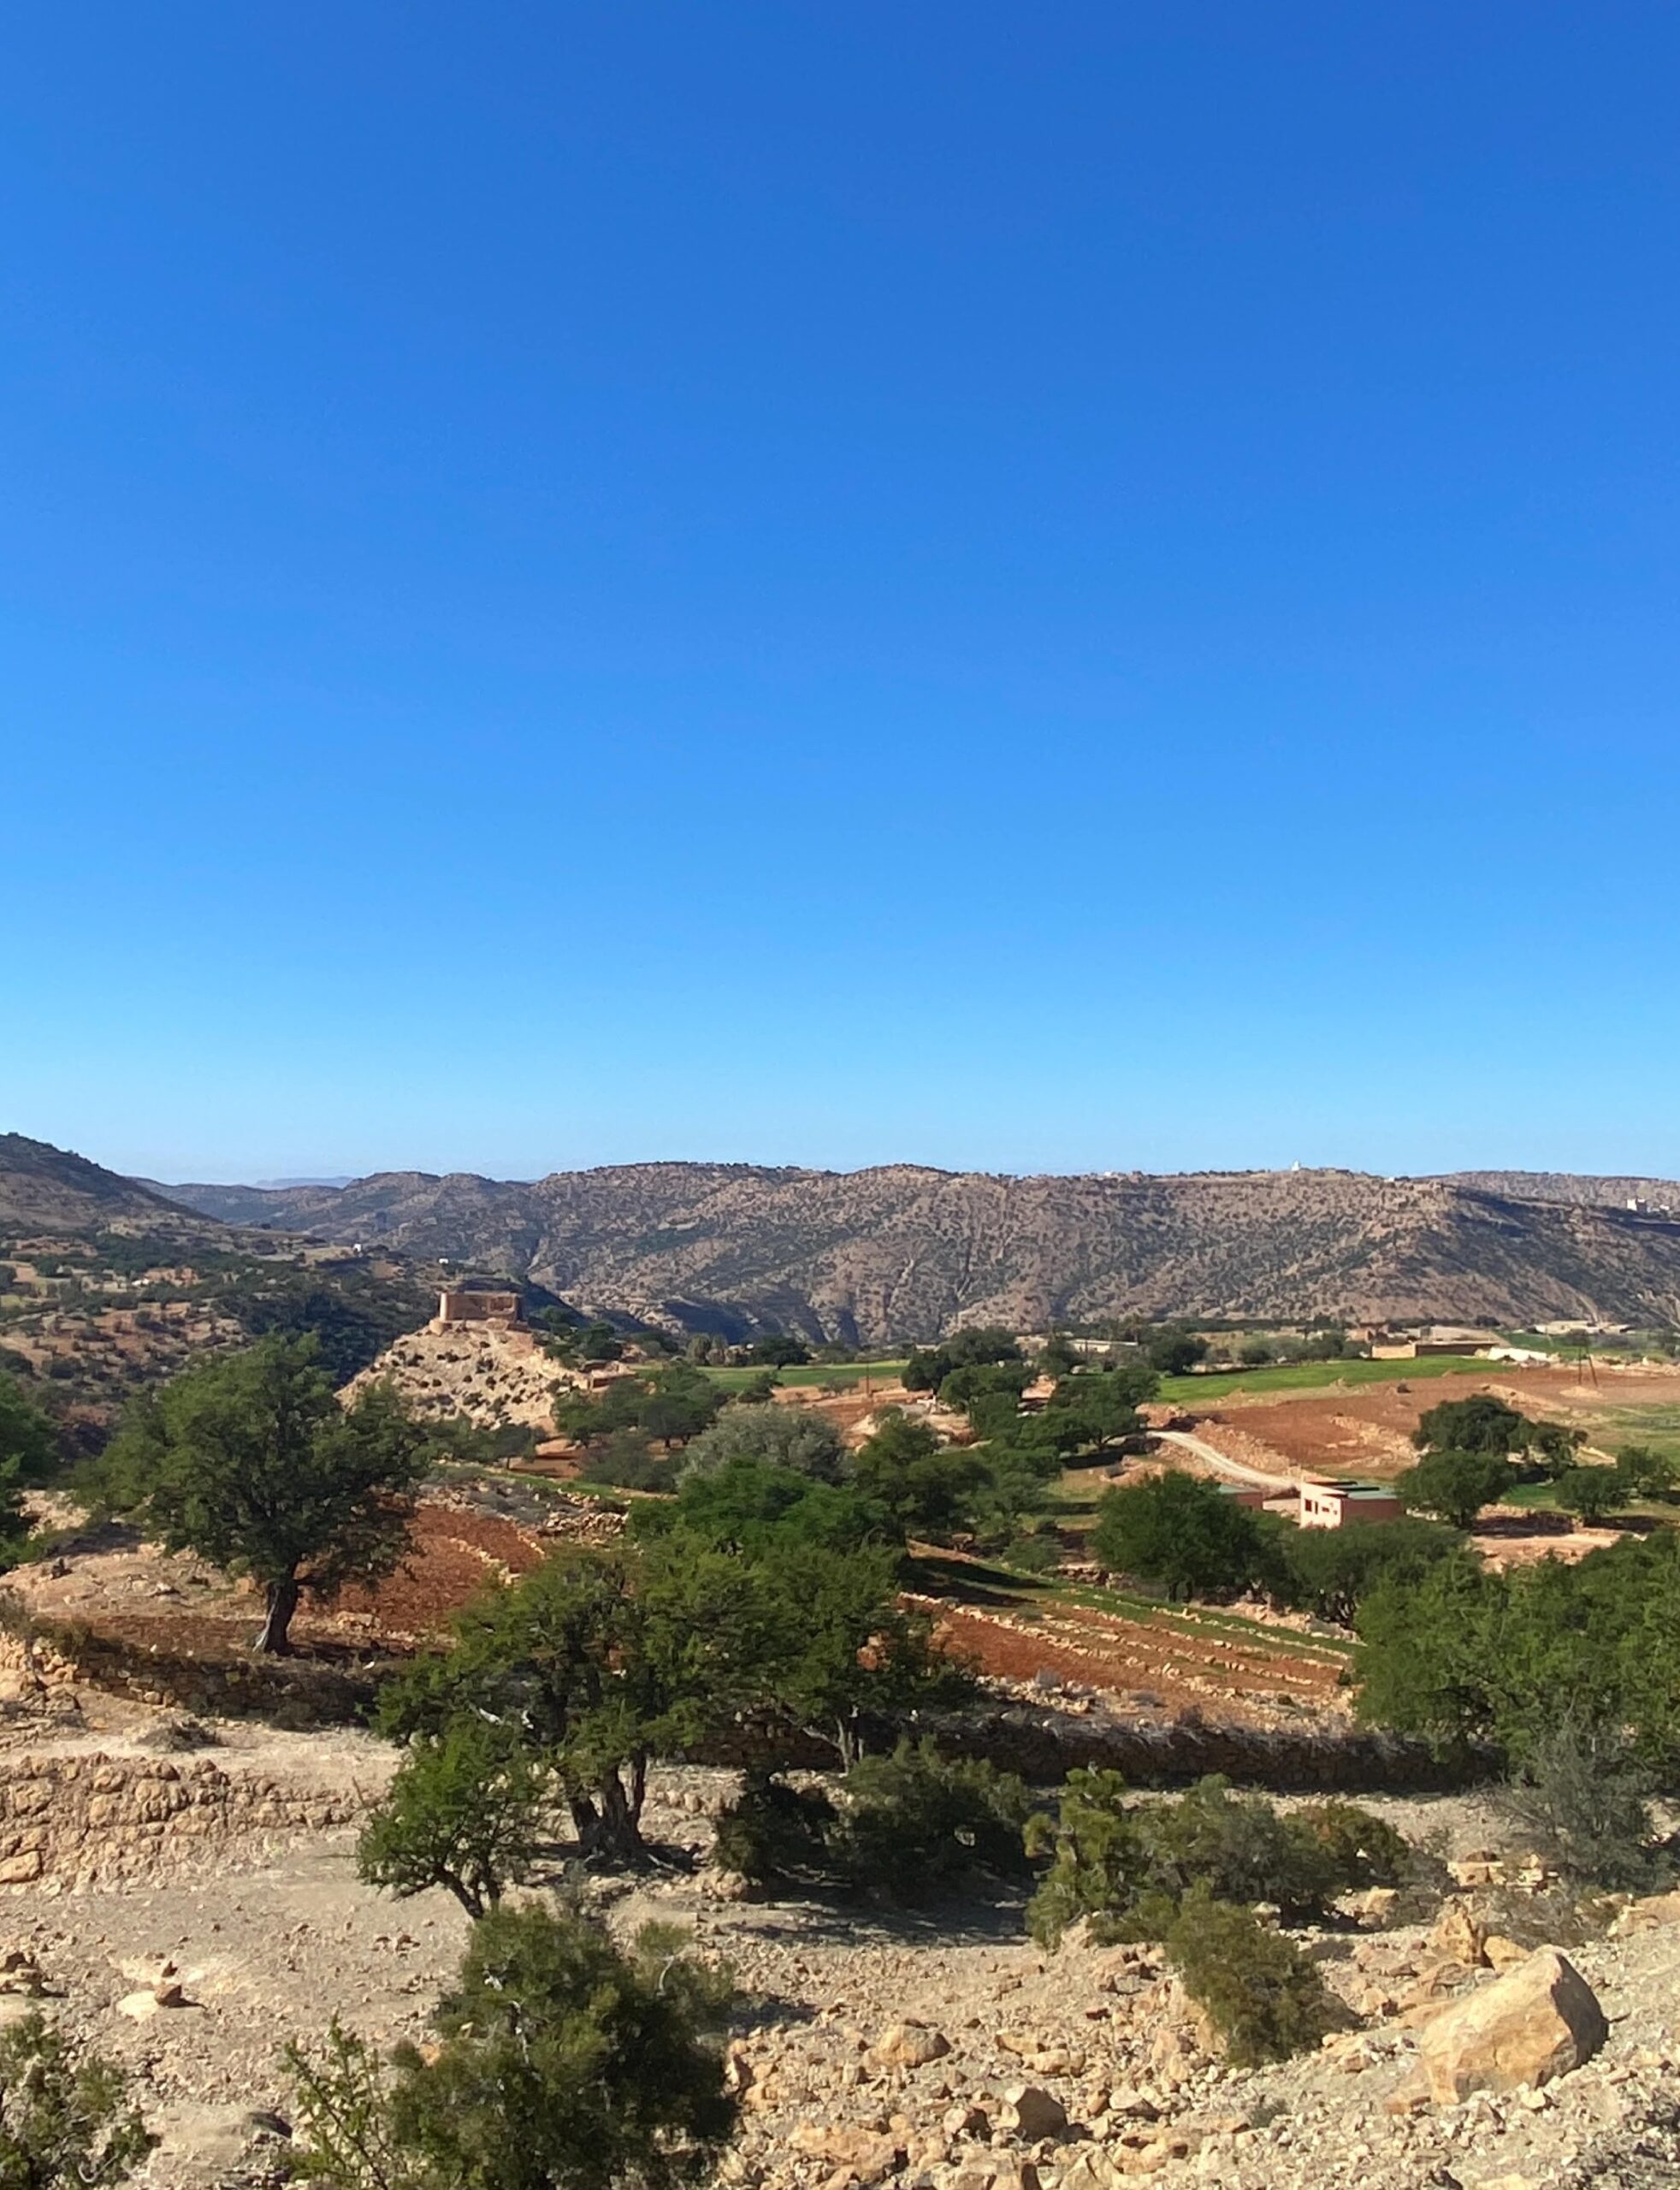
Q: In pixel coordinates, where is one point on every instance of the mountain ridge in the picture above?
(898, 1251)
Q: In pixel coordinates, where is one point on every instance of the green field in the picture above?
(813, 1373)
(1318, 1376)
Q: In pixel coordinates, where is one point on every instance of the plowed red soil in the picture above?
(1227, 1678)
(1368, 1431)
(453, 1552)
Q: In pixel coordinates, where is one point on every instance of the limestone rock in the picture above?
(910, 2045)
(864, 2154)
(1538, 2021)
(1655, 1913)
(1457, 1935)
(1031, 2113)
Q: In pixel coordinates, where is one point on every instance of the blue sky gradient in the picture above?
(1015, 587)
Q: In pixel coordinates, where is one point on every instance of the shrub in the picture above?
(773, 1833)
(63, 2119)
(1128, 1867)
(1261, 1993)
(915, 1819)
(1097, 1867)
(799, 1438)
(462, 1812)
(563, 2064)
(1582, 1802)
(627, 1461)
(1358, 1849)
(1038, 1552)
(1237, 1848)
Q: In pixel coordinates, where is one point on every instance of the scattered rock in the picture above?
(1459, 1935)
(909, 2045)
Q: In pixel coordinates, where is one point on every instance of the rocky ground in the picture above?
(936, 2047)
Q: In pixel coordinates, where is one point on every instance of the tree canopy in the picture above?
(796, 1437)
(928, 1367)
(251, 1461)
(1179, 1530)
(928, 1489)
(1462, 1654)
(1455, 1485)
(28, 1459)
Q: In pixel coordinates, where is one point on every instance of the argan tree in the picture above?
(28, 1454)
(464, 1811)
(563, 2063)
(251, 1462)
(1455, 1485)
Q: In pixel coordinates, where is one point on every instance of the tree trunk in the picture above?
(608, 1822)
(276, 1636)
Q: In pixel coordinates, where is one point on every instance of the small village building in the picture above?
(1343, 1503)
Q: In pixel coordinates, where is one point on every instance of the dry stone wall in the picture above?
(96, 1819)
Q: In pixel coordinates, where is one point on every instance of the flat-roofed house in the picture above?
(1342, 1503)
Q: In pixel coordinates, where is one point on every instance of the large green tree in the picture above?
(1181, 1530)
(28, 1459)
(928, 1489)
(251, 1462)
(1455, 1485)
(798, 1438)
(1481, 1423)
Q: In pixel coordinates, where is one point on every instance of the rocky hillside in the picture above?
(106, 1288)
(904, 1252)
(47, 1189)
(1607, 1190)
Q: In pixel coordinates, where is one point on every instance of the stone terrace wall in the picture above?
(92, 1820)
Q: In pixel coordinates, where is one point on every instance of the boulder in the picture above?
(1030, 2113)
(863, 2154)
(1538, 2021)
(1655, 1913)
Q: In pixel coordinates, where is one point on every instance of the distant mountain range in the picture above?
(902, 1252)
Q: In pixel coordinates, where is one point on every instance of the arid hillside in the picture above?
(47, 1189)
(904, 1252)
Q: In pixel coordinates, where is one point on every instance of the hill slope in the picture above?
(902, 1252)
(47, 1189)
(106, 1287)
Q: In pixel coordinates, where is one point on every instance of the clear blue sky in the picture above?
(1025, 587)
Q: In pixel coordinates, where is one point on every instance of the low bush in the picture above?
(65, 2123)
(1128, 1866)
(775, 1834)
(563, 2063)
(1582, 1802)
(912, 1821)
(1265, 1997)
(906, 1824)
(627, 1461)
